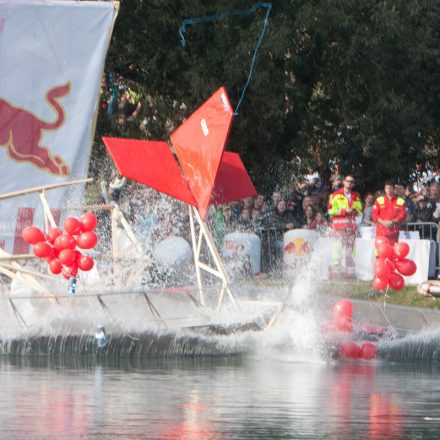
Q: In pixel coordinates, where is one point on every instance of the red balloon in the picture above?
(52, 234)
(32, 235)
(86, 263)
(64, 241)
(78, 255)
(385, 250)
(380, 283)
(65, 271)
(391, 265)
(87, 240)
(368, 351)
(381, 268)
(350, 350)
(88, 221)
(55, 266)
(396, 281)
(381, 240)
(73, 270)
(406, 267)
(67, 257)
(343, 307)
(342, 315)
(72, 226)
(43, 249)
(401, 249)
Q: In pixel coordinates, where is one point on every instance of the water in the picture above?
(229, 397)
(151, 364)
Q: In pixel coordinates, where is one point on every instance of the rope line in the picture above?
(224, 14)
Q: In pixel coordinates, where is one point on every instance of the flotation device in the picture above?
(429, 288)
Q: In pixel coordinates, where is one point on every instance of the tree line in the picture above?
(357, 81)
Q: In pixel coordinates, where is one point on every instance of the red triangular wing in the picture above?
(199, 144)
(151, 163)
(233, 181)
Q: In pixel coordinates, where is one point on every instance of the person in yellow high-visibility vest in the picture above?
(344, 207)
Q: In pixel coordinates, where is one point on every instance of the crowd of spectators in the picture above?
(304, 205)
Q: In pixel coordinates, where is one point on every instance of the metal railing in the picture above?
(427, 231)
(272, 244)
(271, 250)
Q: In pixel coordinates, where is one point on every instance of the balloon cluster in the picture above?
(59, 248)
(343, 322)
(352, 350)
(391, 263)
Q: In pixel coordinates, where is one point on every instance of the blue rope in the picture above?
(221, 15)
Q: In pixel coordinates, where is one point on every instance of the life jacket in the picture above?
(338, 205)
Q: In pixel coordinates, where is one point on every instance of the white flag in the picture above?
(52, 55)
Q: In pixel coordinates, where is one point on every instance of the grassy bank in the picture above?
(408, 296)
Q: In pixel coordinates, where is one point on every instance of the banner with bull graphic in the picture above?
(52, 55)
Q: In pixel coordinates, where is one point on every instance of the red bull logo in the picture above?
(298, 247)
(21, 132)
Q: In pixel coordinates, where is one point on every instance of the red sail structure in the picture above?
(151, 163)
(207, 175)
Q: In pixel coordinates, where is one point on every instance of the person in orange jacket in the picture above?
(389, 212)
(344, 208)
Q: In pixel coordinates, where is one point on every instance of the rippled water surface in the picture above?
(216, 398)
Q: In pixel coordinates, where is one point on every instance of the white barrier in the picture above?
(240, 245)
(172, 251)
(422, 252)
(298, 244)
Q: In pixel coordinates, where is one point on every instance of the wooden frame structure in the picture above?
(200, 235)
(197, 237)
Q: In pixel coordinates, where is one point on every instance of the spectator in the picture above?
(244, 222)
(248, 203)
(436, 177)
(368, 208)
(306, 201)
(236, 207)
(116, 185)
(309, 218)
(223, 223)
(424, 210)
(428, 207)
(401, 191)
(336, 183)
(321, 223)
(260, 202)
(292, 207)
(421, 177)
(316, 201)
(301, 187)
(127, 110)
(113, 94)
(434, 192)
(255, 215)
(276, 197)
(313, 179)
(282, 220)
(227, 218)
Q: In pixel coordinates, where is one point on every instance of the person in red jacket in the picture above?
(389, 212)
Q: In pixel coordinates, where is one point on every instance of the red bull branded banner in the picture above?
(52, 55)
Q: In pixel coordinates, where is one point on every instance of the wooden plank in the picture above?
(42, 188)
